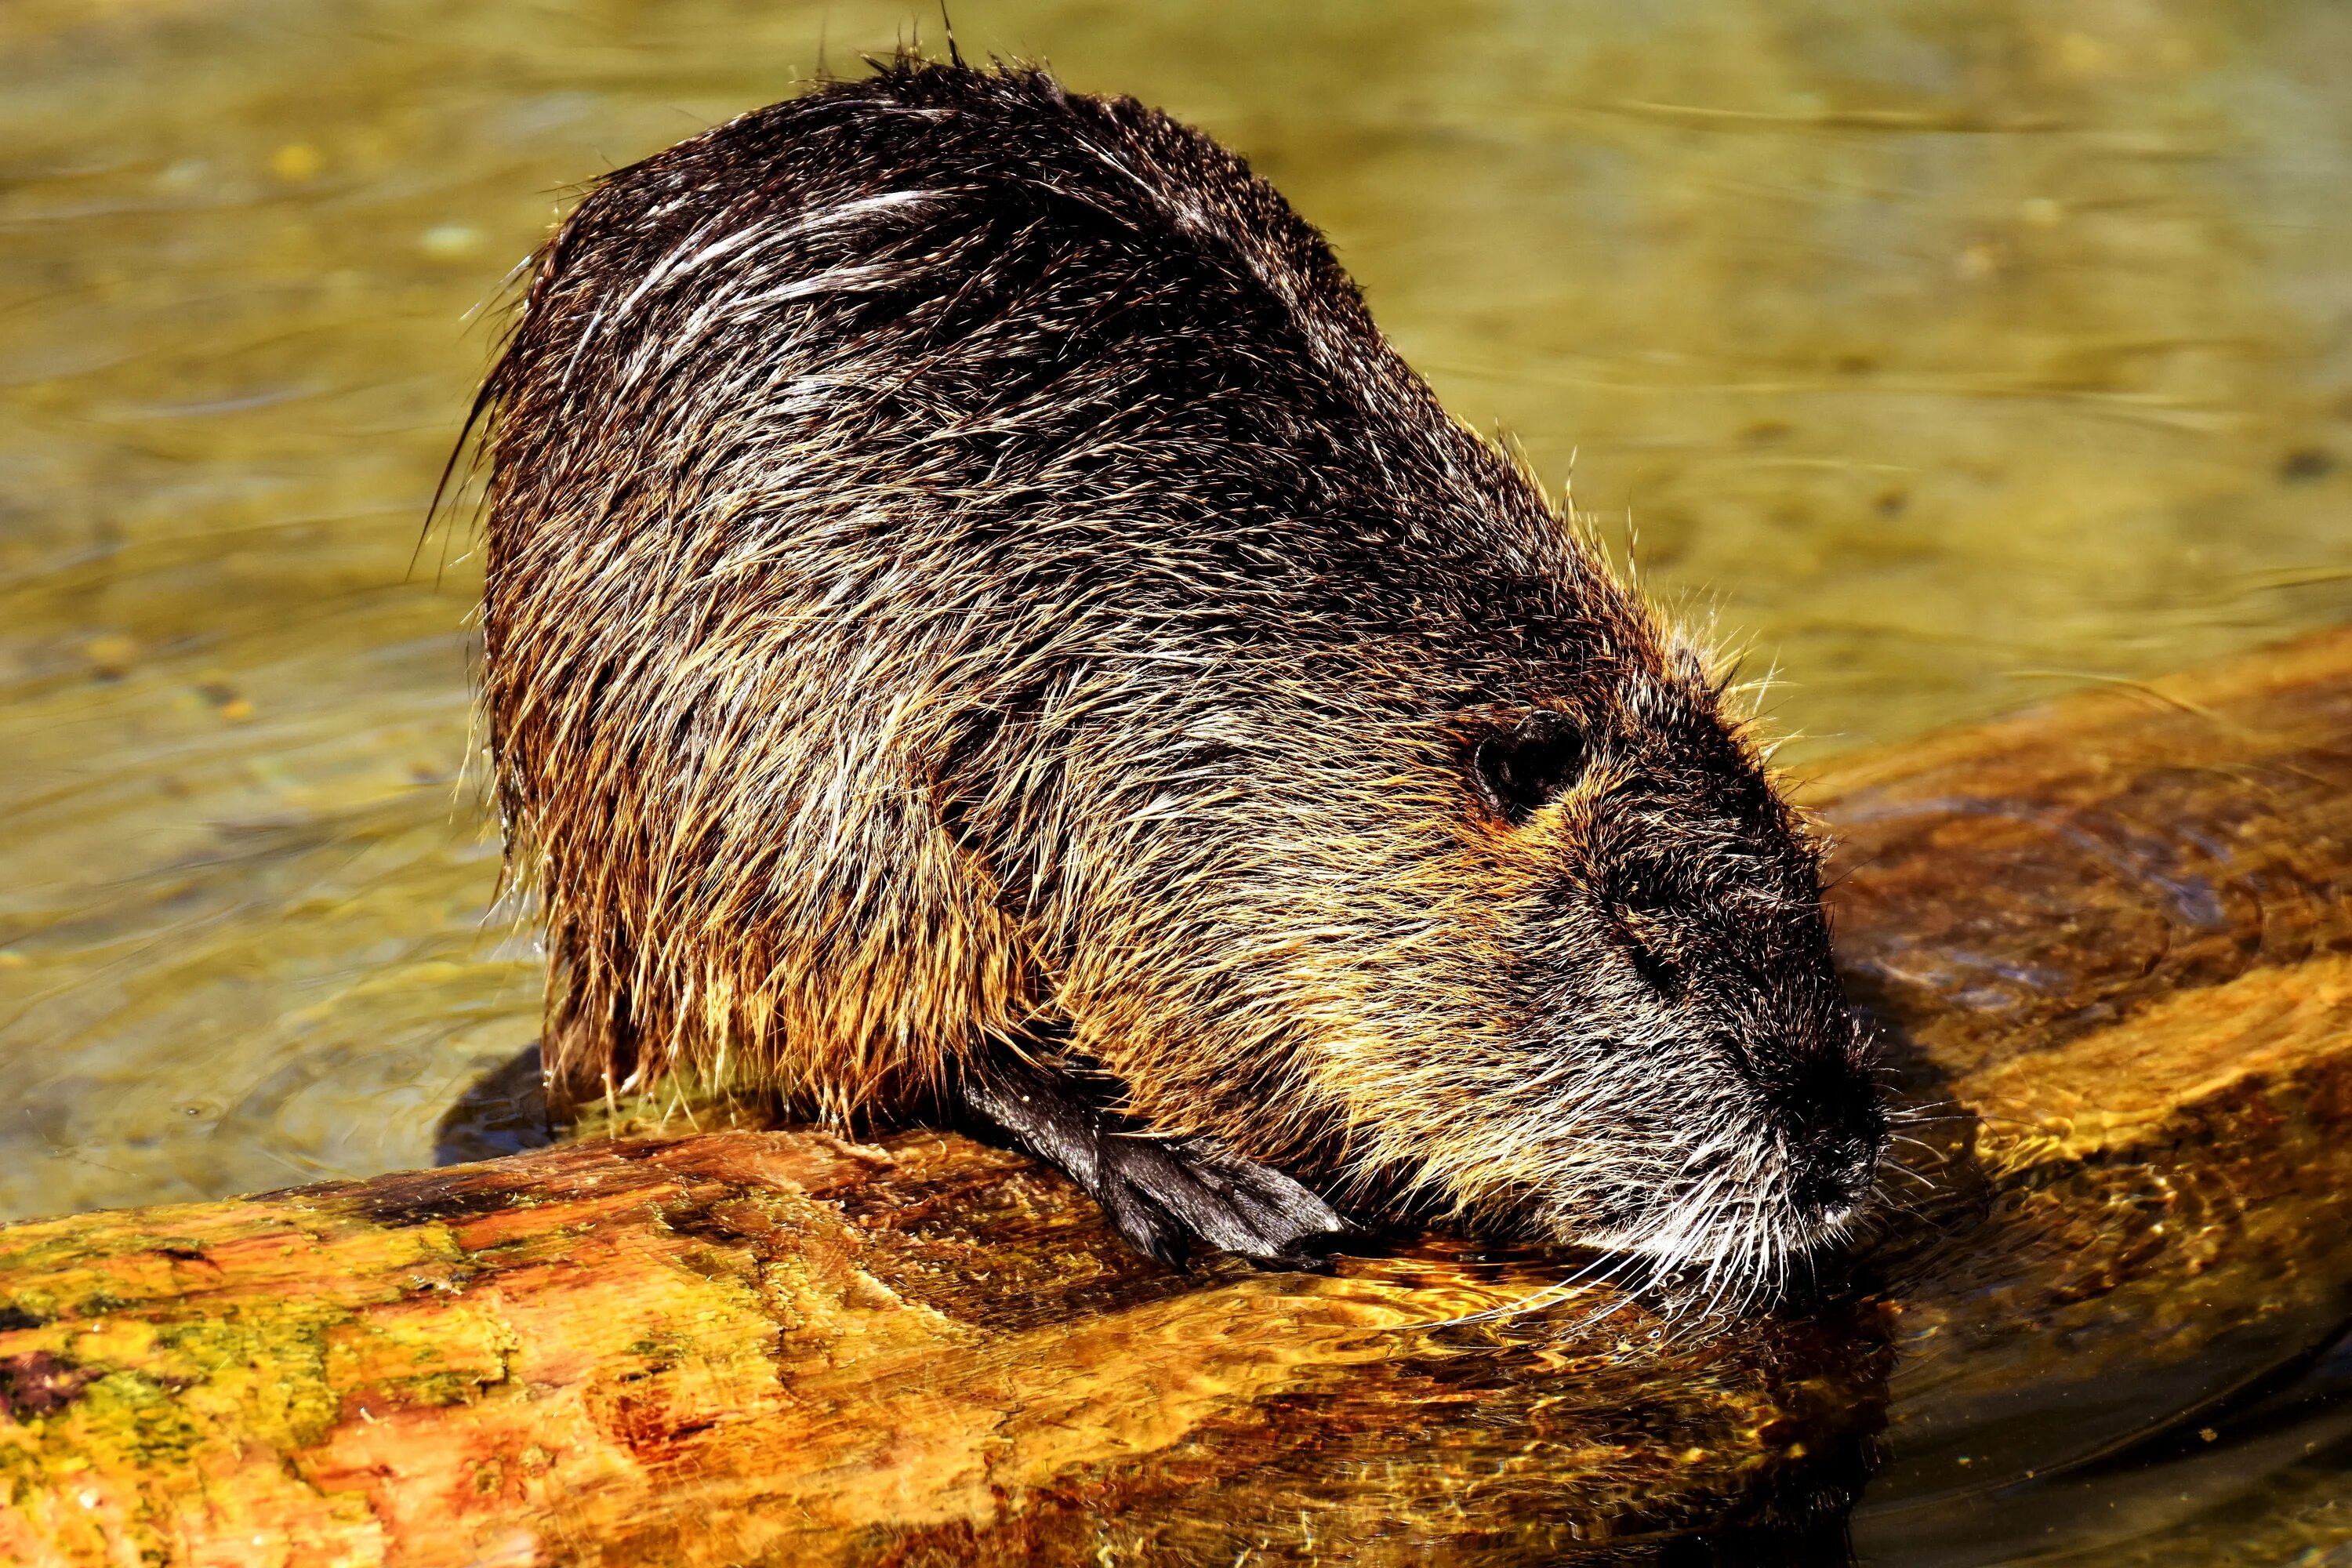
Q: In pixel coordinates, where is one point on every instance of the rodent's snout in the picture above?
(1829, 1190)
(1837, 1134)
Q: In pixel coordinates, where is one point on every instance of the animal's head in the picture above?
(1560, 964)
(1705, 1094)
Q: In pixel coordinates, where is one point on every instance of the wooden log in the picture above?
(2115, 934)
(2109, 942)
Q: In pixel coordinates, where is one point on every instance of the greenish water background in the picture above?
(1946, 352)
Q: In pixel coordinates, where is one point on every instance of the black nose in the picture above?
(1835, 1183)
(1836, 1133)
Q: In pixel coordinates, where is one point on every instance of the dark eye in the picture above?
(1519, 769)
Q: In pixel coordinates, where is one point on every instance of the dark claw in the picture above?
(1161, 1194)
(1196, 1190)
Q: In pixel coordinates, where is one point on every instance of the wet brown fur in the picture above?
(966, 574)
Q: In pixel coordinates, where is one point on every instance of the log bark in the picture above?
(2109, 944)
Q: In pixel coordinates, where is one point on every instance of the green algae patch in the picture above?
(293, 1377)
(148, 1358)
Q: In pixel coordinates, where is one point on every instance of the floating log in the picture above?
(2109, 945)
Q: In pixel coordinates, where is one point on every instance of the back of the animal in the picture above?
(712, 635)
(746, 593)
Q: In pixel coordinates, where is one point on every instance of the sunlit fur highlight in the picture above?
(965, 571)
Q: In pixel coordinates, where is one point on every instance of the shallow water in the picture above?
(1947, 355)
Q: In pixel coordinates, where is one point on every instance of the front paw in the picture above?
(1163, 1195)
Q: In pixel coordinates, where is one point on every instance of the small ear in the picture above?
(1520, 769)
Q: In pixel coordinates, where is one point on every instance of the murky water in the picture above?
(1947, 353)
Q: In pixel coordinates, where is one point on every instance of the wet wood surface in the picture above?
(2110, 947)
(2114, 936)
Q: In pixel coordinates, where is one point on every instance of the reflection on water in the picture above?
(1946, 353)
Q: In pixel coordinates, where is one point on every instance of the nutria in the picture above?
(980, 623)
